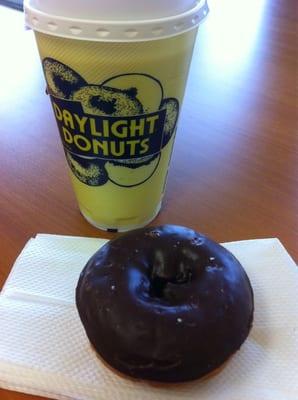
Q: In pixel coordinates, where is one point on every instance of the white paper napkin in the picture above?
(44, 349)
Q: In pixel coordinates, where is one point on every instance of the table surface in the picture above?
(235, 175)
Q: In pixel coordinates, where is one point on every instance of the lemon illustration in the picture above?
(171, 106)
(62, 81)
(148, 89)
(106, 101)
(130, 173)
(88, 170)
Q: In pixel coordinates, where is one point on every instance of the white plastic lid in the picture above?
(114, 20)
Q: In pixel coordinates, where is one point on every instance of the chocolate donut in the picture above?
(165, 304)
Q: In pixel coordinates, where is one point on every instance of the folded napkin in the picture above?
(44, 349)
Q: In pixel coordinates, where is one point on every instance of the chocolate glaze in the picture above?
(165, 303)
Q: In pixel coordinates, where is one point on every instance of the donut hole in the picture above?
(66, 87)
(167, 287)
(157, 287)
(106, 106)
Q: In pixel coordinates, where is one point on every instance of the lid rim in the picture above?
(115, 30)
(119, 22)
(116, 40)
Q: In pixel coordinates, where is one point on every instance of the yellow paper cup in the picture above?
(116, 88)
